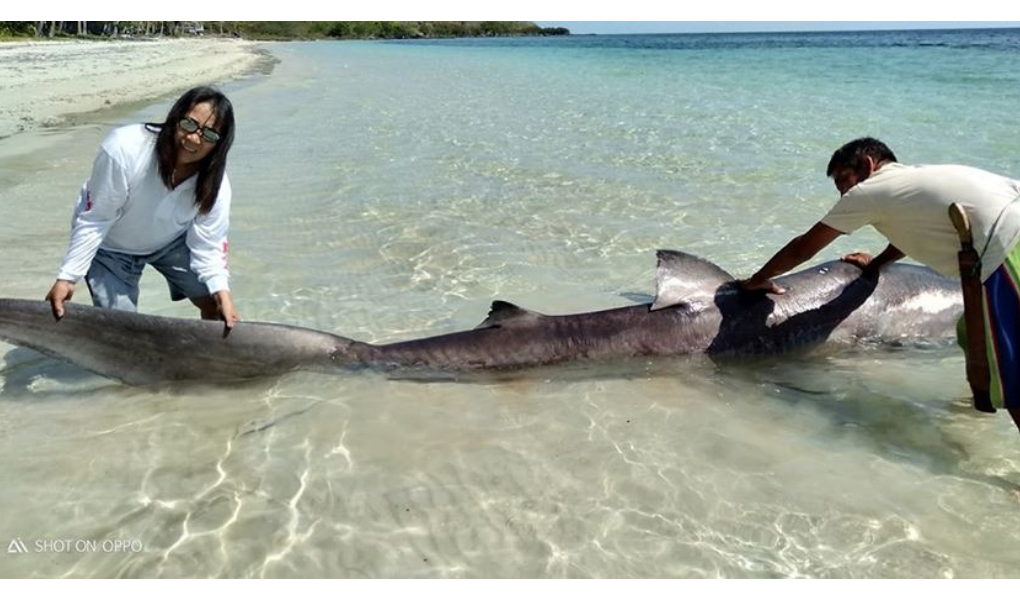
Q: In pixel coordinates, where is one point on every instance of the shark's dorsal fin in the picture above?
(683, 278)
(503, 314)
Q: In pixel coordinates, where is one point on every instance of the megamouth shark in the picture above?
(698, 308)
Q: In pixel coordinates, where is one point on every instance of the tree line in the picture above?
(276, 30)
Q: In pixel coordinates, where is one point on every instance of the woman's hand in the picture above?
(61, 292)
(225, 306)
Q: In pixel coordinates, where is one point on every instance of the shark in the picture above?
(698, 308)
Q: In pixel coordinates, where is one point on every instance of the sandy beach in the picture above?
(43, 82)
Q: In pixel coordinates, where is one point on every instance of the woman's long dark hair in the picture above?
(212, 167)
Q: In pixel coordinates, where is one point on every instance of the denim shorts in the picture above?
(113, 276)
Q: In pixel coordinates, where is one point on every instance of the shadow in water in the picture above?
(638, 297)
(892, 423)
(25, 370)
(33, 377)
(897, 423)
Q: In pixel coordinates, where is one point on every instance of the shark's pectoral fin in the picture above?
(503, 314)
(683, 278)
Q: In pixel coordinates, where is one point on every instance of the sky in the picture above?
(701, 16)
(611, 27)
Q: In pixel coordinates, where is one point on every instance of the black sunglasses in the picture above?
(189, 125)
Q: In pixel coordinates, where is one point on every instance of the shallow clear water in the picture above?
(391, 190)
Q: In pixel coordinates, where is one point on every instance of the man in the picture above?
(909, 205)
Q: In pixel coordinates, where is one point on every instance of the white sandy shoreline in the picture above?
(42, 82)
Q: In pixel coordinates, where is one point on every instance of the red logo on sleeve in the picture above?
(88, 200)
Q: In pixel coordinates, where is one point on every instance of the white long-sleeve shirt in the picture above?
(125, 207)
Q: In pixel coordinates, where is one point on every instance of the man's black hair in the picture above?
(850, 155)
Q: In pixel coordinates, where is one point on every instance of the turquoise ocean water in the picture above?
(392, 190)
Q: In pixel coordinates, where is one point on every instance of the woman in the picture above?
(158, 195)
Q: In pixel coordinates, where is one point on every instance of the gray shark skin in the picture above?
(698, 308)
(143, 349)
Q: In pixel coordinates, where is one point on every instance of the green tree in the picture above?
(17, 28)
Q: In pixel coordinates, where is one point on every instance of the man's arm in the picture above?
(797, 251)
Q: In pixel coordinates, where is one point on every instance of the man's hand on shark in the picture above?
(766, 285)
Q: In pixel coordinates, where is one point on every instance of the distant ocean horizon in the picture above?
(1001, 37)
(684, 27)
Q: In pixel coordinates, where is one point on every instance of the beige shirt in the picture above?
(909, 205)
